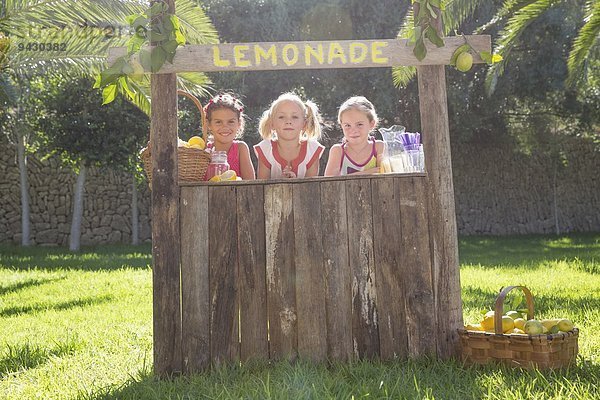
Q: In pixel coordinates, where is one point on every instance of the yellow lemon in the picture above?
(488, 324)
(195, 146)
(549, 323)
(565, 325)
(216, 178)
(520, 323)
(518, 331)
(474, 327)
(508, 324)
(229, 175)
(197, 140)
(533, 327)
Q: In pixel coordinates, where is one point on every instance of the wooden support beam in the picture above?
(165, 225)
(433, 106)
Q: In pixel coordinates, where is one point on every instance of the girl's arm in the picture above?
(313, 170)
(333, 161)
(246, 167)
(264, 172)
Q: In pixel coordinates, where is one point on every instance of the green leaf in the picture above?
(140, 22)
(486, 56)
(146, 59)
(109, 93)
(170, 47)
(156, 36)
(131, 18)
(125, 86)
(175, 22)
(158, 57)
(97, 81)
(179, 37)
(433, 37)
(156, 9)
(135, 44)
(127, 69)
(436, 3)
(420, 51)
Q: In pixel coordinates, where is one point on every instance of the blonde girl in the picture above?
(359, 153)
(289, 148)
(225, 121)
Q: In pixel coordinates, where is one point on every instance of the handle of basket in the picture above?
(200, 108)
(499, 307)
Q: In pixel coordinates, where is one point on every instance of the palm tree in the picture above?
(71, 38)
(517, 16)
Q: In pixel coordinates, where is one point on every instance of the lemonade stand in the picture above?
(328, 268)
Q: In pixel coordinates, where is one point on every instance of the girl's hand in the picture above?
(288, 173)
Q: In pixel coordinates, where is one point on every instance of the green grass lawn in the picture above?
(79, 326)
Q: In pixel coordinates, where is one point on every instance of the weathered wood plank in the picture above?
(420, 314)
(442, 214)
(165, 227)
(310, 274)
(281, 272)
(252, 262)
(195, 293)
(338, 276)
(223, 261)
(387, 236)
(311, 54)
(360, 252)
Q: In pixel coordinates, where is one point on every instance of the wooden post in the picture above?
(165, 224)
(442, 218)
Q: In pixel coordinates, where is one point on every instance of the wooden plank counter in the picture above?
(327, 268)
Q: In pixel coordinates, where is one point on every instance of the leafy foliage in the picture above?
(156, 27)
(78, 128)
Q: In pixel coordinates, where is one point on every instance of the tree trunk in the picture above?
(24, 181)
(135, 222)
(555, 199)
(75, 237)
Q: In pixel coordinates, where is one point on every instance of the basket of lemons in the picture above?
(192, 157)
(518, 339)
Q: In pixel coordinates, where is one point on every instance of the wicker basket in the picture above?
(192, 163)
(527, 351)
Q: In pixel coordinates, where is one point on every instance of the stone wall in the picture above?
(497, 192)
(107, 203)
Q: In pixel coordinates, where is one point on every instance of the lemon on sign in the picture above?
(464, 62)
(197, 141)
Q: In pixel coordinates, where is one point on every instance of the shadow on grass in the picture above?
(408, 379)
(25, 356)
(474, 298)
(15, 287)
(84, 302)
(109, 257)
(528, 250)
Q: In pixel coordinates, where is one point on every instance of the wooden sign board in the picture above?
(312, 55)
